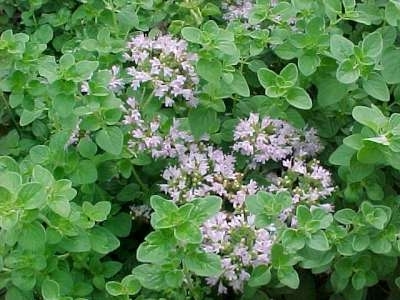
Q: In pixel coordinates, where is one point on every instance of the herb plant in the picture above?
(199, 149)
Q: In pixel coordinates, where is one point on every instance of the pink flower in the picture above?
(162, 64)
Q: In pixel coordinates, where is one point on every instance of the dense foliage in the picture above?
(199, 149)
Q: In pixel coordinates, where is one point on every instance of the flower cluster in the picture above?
(146, 136)
(142, 212)
(237, 9)
(240, 245)
(271, 139)
(163, 65)
(115, 83)
(201, 170)
(197, 169)
(204, 171)
(307, 182)
(74, 136)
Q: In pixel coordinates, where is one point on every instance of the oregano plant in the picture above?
(199, 149)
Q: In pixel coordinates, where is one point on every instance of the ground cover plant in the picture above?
(198, 149)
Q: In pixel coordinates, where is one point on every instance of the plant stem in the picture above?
(10, 112)
(139, 181)
(190, 284)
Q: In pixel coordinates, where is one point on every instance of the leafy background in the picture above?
(70, 184)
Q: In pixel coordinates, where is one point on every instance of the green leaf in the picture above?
(43, 34)
(174, 278)
(50, 290)
(308, 64)
(372, 44)
(32, 195)
(268, 203)
(82, 70)
(360, 242)
(358, 171)
(342, 156)
(86, 147)
(24, 279)
(397, 282)
(85, 172)
(358, 280)
(289, 277)
(354, 141)
(203, 264)
(97, 212)
(150, 276)
(318, 241)
(376, 87)
(28, 116)
(257, 16)
(64, 104)
(260, 276)
(39, 154)
(6, 195)
(47, 67)
(110, 139)
(370, 117)
(127, 18)
(239, 85)
(344, 266)
(42, 175)
(338, 281)
(188, 232)
(374, 191)
(131, 285)
(345, 216)
(376, 215)
(203, 120)
(280, 259)
(162, 206)
(120, 224)
(114, 288)
(192, 34)
(289, 73)
(66, 61)
(11, 181)
(157, 247)
(103, 241)
(348, 72)
(62, 190)
(292, 239)
(13, 293)
(275, 91)
(311, 259)
(391, 65)
(210, 70)
(341, 48)
(78, 243)
(10, 143)
(298, 97)
(205, 208)
(392, 13)
(33, 236)
(303, 215)
(380, 245)
(266, 77)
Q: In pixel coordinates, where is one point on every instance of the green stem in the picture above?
(34, 17)
(190, 284)
(148, 99)
(63, 256)
(10, 112)
(139, 181)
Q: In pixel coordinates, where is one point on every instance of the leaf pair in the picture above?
(284, 86)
